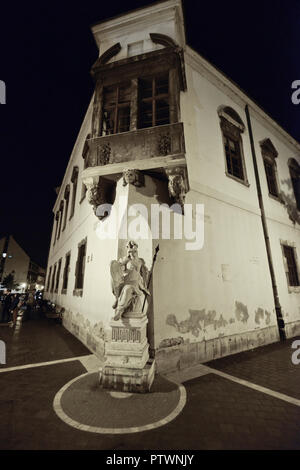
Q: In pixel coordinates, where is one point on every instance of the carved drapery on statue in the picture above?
(129, 278)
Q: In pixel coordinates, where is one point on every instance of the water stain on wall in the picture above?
(261, 314)
(198, 320)
(241, 312)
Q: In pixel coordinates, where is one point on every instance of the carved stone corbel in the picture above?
(134, 177)
(178, 184)
(95, 194)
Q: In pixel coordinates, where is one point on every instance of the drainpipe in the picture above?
(278, 310)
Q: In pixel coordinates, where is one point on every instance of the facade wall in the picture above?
(19, 262)
(206, 303)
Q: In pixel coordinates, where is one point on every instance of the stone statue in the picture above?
(129, 278)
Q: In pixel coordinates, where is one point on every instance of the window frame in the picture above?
(233, 128)
(57, 279)
(291, 245)
(78, 290)
(117, 106)
(153, 99)
(295, 168)
(66, 273)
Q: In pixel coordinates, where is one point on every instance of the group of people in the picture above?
(11, 304)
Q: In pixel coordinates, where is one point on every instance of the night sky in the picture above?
(46, 52)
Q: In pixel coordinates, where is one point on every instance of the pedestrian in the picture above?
(7, 306)
(14, 309)
(29, 303)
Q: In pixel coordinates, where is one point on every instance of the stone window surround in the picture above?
(270, 155)
(64, 291)
(59, 263)
(237, 127)
(74, 180)
(291, 289)
(79, 291)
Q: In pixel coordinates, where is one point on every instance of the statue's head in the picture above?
(132, 247)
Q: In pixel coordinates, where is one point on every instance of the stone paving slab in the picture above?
(39, 341)
(219, 414)
(270, 366)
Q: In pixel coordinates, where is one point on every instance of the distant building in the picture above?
(165, 126)
(15, 261)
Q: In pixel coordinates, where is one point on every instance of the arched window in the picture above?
(295, 177)
(232, 128)
(269, 154)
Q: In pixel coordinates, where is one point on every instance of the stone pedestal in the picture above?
(128, 367)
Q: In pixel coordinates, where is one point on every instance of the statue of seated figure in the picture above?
(129, 278)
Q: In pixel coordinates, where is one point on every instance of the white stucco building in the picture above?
(191, 135)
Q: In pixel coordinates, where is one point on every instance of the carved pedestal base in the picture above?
(127, 367)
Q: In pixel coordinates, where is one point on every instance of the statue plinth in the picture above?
(128, 367)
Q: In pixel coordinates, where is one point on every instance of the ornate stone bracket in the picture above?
(178, 184)
(134, 177)
(95, 193)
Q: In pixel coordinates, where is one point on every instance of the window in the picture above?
(116, 109)
(53, 278)
(49, 278)
(56, 226)
(66, 273)
(80, 266)
(74, 180)
(269, 154)
(154, 101)
(289, 253)
(58, 275)
(295, 177)
(67, 199)
(61, 212)
(232, 127)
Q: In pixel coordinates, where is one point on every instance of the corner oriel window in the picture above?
(80, 265)
(232, 127)
(291, 265)
(154, 101)
(116, 109)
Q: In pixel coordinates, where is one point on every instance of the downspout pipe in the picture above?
(278, 309)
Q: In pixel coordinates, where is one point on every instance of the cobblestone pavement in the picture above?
(219, 414)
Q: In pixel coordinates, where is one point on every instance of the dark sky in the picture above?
(46, 52)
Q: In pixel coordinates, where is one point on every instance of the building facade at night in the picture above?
(16, 262)
(165, 127)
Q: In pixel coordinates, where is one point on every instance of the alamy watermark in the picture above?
(296, 94)
(296, 354)
(2, 92)
(2, 352)
(137, 222)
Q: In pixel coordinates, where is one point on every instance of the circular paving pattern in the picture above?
(83, 404)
